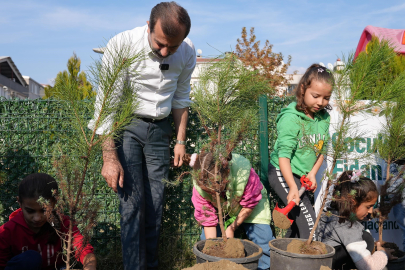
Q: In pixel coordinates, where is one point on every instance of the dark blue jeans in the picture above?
(29, 260)
(144, 154)
(260, 234)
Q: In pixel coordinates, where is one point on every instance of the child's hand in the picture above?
(230, 231)
(293, 195)
(312, 178)
(387, 251)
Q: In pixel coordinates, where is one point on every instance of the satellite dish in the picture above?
(330, 66)
(199, 51)
(321, 64)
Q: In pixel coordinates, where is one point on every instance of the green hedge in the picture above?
(28, 130)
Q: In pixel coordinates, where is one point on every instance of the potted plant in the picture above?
(225, 100)
(78, 148)
(357, 80)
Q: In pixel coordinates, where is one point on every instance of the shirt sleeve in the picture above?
(204, 212)
(181, 98)
(253, 191)
(80, 249)
(288, 128)
(105, 121)
(5, 249)
(377, 261)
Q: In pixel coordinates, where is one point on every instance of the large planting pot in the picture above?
(398, 264)
(280, 259)
(247, 262)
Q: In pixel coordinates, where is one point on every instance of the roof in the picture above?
(10, 70)
(396, 37)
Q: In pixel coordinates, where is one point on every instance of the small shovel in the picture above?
(305, 185)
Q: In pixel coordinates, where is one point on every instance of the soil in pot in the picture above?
(397, 253)
(300, 247)
(219, 265)
(233, 248)
(280, 220)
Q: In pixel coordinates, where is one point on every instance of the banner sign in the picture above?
(362, 156)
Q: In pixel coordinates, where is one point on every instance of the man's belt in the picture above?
(151, 120)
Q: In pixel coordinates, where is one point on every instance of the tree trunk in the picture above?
(220, 217)
(380, 230)
(69, 245)
(311, 235)
(218, 195)
(388, 170)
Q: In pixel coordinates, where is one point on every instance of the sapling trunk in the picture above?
(218, 195)
(325, 196)
(69, 245)
(380, 230)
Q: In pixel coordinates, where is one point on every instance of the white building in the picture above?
(14, 85)
(35, 89)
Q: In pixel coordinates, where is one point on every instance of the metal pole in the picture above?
(264, 139)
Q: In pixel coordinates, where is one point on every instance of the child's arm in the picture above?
(364, 260)
(285, 168)
(250, 198)
(204, 213)
(243, 214)
(312, 174)
(5, 250)
(90, 262)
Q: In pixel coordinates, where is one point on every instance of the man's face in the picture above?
(161, 45)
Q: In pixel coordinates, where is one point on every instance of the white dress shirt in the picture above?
(158, 90)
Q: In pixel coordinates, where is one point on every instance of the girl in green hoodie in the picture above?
(302, 129)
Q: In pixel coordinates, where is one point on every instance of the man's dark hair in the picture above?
(172, 18)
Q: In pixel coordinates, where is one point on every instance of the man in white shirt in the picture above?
(136, 165)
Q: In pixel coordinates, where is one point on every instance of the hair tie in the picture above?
(193, 158)
(355, 177)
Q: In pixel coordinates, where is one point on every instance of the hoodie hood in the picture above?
(18, 217)
(322, 115)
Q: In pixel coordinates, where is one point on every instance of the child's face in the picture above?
(317, 96)
(365, 208)
(33, 214)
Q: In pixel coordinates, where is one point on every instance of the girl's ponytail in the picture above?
(351, 187)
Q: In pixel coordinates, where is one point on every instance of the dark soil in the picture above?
(397, 253)
(299, 247)
(280, 220)
(220, 265)
(233, 248)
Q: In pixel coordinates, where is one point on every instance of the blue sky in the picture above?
(40, 36)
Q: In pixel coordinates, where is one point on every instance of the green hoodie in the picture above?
(300, 138)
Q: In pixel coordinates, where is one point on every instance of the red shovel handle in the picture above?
(305, 182)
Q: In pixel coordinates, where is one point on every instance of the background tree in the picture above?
(392, 66)
(84, 88)
(270, 65)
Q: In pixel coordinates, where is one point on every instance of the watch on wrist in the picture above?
(180, 142)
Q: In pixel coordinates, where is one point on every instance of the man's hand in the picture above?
(113, 172)
(179, 153)
(230, 231)
(293, 195)
(312, 178)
